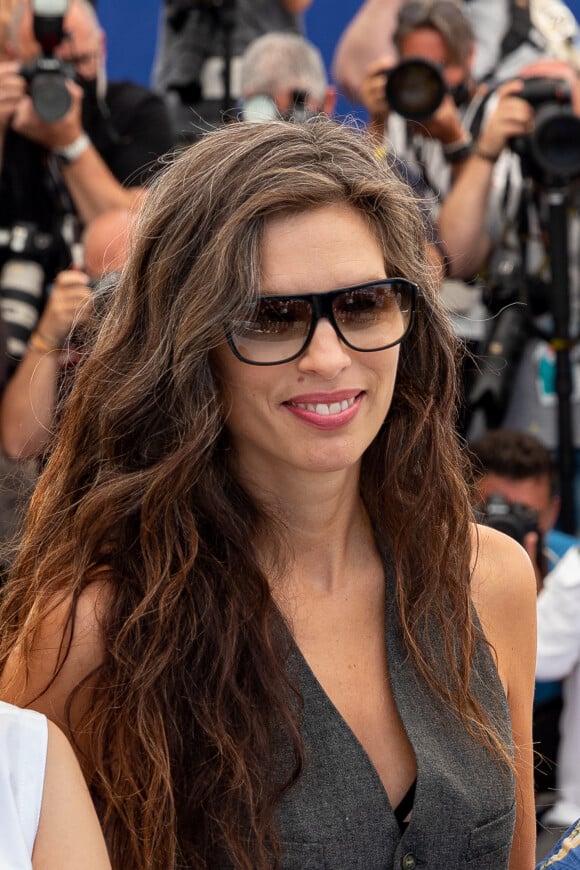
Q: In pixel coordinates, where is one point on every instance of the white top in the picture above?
(23, 745)
(559, 659)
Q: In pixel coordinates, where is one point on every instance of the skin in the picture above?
(503, 588)
(367, 36)
(533, 492)
(29, 399)
(296, 6)
(332, 591)
(28, 402)
(69, 835)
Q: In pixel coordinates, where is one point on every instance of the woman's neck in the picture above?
(327, 529)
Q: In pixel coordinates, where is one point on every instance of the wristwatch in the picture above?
(67, 154)
(457, 152)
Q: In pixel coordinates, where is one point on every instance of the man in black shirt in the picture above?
(57, 176)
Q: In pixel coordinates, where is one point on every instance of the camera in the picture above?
(553, 149)
(415, 88)
(22, 279)
(47, 75)
(512, 518)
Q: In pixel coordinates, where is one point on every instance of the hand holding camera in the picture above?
(50, 134)
(69, 303)
(512, 116)
(372, 91)
(12, 92)
(445, 123)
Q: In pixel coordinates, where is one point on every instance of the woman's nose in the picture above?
(326, 354)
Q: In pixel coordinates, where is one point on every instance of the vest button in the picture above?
(408, 862)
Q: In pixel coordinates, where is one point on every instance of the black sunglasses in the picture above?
(366, 317)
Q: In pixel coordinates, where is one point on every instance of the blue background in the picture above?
(131, 33)
(131, 27)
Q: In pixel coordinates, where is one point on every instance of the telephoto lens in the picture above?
(415, 88)
(21, 285)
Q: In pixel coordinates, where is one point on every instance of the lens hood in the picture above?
(555, 142)
(415, 88)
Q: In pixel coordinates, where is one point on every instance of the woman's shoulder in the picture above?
(503, 589)
(59, 651)
(500, 567)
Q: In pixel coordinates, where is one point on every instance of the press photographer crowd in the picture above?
(181, 684)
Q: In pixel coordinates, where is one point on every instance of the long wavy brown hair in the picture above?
(140, 487)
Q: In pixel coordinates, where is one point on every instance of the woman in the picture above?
(256, 481)
(47, 820)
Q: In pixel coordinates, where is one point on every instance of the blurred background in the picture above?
(133, 58)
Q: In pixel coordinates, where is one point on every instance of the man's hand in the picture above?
(372, 91)
(512, 116)
(69, 302)
(12, 92)
(444, 124)
(53, 134)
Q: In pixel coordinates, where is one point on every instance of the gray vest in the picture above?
(338, 816)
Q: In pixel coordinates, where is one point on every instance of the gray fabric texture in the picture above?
(338, 814)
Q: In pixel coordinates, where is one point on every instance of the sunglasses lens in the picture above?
(376, 316)
(276, 330)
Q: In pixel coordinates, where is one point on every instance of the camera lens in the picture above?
(50, 96)
(555, 142)
(415, 88)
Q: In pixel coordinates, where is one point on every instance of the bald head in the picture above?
(106, 242)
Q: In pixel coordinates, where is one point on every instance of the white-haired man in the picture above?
(283, 74)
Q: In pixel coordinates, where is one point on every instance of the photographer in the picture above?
(283, 75)
(29, 402)
(59, 174)
(435, 133)
(427, 108)
(111, 134)
(503, 218)
(199, 42)
(508, 35)
(518, 467)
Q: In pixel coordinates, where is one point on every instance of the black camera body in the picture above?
(47, 75)
(512, 518)
(552, 151)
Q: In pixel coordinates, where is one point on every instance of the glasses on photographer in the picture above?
(366, 317)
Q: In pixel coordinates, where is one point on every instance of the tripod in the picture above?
(491, 390)
(562, 343)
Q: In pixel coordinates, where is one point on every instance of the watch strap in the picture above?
(67, 154)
